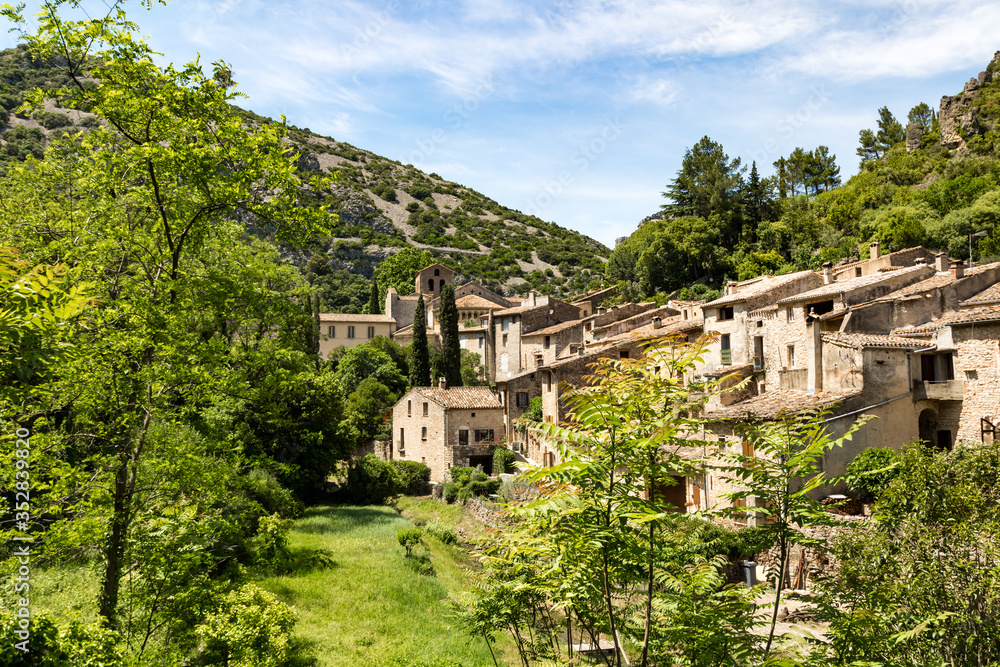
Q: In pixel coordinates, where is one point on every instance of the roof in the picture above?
(862, 340)
(461, 398)
(757, 287)
(988, 295)
(668, 326)
(850, 265)
(849, 285)
(475, 301)
(556, 328)
(350, 317)
(517, 310)
(940, 280)
(774, 404)
(436, 266)
(957, 318)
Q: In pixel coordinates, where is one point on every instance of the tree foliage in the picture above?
(448, 321)
(420, 355)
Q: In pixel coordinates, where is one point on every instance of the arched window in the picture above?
(437, 272)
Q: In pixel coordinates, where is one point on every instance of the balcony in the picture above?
(944, 390)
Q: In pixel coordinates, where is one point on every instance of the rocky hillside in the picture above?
(381, 205)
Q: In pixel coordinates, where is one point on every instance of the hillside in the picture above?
(382, 205)
(933, 183)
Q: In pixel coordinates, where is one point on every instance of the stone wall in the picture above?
(805, 563)
(978, 364)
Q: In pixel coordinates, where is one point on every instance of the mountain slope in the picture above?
(382, 205)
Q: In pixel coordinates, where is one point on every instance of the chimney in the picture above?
(941, 262)
(532, 298)
(920, 261)
(442, 383)
(873, 247)
(731, 287)
(827, 273)
(814, 374)
(959, 267)
(601, 310)
(657, 322)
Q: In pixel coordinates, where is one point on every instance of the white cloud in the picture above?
(660, 91)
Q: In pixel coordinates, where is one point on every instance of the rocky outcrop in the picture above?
(958, 117)
(914, 135)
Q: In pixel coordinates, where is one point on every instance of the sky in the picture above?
(580, 112)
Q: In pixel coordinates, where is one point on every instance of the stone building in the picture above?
(348, 330)
(446, 427)
(511, 324)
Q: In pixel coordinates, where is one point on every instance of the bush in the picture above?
(503, 460)
(409, 538)
(872, 471)
(50, 120)
(77, 644)
(450, 492)
(251, 628)
(415, 476)
(371, 481)
(263, 487)
(469, 482)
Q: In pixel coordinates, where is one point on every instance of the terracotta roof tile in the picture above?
(773, 404)
(476, 301)
(555, 328)
(756, 287)
(462, 398)
(849, 285)
(350, 317)
(965, 316)
(860, 340)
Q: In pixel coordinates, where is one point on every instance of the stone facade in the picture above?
(346, 330)
(447, 427)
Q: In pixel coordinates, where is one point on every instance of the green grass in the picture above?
(369, 608)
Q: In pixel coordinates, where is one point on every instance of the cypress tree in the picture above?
(374, 307)
(448, 316)
(420, 359)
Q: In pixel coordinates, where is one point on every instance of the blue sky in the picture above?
(580, 111)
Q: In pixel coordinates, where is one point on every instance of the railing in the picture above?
(946, 390)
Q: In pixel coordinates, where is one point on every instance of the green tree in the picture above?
(448, 320)
(366, 410)
(400, 270)
(822, 170)
(708, 183)
(781, 473)
(367, 362)
(420, 355)
(921, 115)
(473, 371)
(146, 208)
(758, 203)
(600, 545)
(869, 148)
(374, 304)
(890, 131)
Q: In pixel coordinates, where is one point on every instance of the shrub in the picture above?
(872, 471)
(503, 460)
(372, 481)
(263, 487)
(450, 492)
(415, 475)
(251, 628)
(409, 538)
(50, 120)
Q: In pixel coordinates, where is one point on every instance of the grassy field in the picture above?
(369, 607)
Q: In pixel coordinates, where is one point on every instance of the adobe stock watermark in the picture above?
(580, 161)
(456, 117)
(698, 44)
(22, 521)
(790, 123)
(371, 32)
(898, 16)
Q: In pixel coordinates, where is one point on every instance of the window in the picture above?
(425, 408)
(504, 323)
(482, 341)
(747, 448)
(463, 436)
(548, 385)
(483, 435)
(791, 356)
(972, 374)
(548, 342)
(791, 314)
(331, 331)
(350, 332)
(522, 399)
(437, 272)
(725, 353)
(423, 432)
(473, 415)
(857, 272)
(371, 332)
(402, 440)
(623, 354)
(409, 408)
(726, 313)
(505, 340)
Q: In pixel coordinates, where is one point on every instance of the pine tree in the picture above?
(448, 317)
(420, 357)
(708, 183)
(758, 202)
(373, 301)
